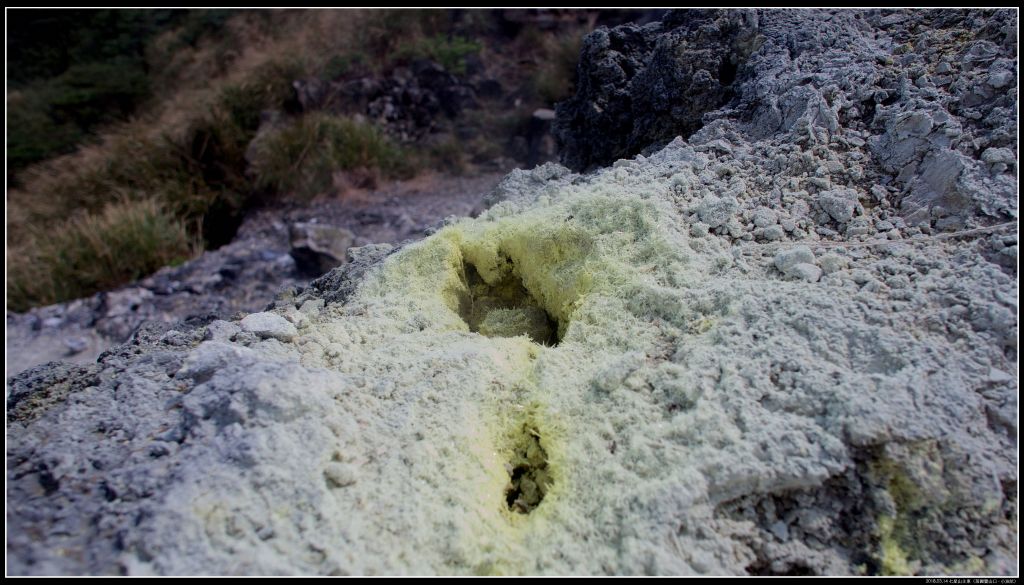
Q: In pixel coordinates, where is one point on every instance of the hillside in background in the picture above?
(138, 138)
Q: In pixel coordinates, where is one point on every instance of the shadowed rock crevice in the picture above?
(504, 309)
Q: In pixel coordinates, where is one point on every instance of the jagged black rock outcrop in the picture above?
(641, 86)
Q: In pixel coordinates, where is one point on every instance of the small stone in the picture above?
(858, 227)
(295, 317)
(998, 155)
(716, 211)
(317, 248)
(1000, 79)
(880, 193)
(917, 123)
(861, 276)
(998, 376)
(806, 272)
(820, 182)
(269, 325)
(221, 331)
(780, 530)
(735, 228)
(765, 217)
(339, 475)
(773, 233)
(312, 308)
(832, 262)
(209, 357)
(75, 345)
(838, 207)
(787, 259)
(545, 114)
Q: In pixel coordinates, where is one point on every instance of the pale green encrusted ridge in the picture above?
(575, 381)
(611, 446)
(601, 265)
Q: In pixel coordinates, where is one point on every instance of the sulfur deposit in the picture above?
(741, 352)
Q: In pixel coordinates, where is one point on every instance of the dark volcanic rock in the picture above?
(641, 86)
(409, 102)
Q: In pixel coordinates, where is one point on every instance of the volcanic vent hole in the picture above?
(727, 71)
(529, 478)
(504, 309)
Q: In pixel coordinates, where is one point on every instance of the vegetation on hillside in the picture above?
(149, 117)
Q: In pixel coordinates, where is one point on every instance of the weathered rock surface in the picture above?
(409, 103)
(782, 392)
(917, 106)
(644, 85)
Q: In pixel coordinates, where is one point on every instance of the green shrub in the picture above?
(300, 159)
(340, 65)
(52, 117)
(199, 23)
(94, 252)
(451, 52)
(268, 87)
(73, 70)
(382, 33)
(44, 43)
(32, 135)
(193, 176)
(555, 79)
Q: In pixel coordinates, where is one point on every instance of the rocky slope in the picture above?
(242, 276)
(783, 343)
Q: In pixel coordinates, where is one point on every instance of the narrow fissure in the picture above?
(529, 478)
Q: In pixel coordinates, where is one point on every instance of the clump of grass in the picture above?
(382, 34)
(195, 171)
(133, 164)
(449, 51)
(83, 255)
(450, 155)
(300, 159)
(340, 65)
(555, 77)
(267, 87)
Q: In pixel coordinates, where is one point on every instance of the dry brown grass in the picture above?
(145, 161)
(92, 252)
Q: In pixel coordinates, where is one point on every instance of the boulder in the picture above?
(317, 248)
